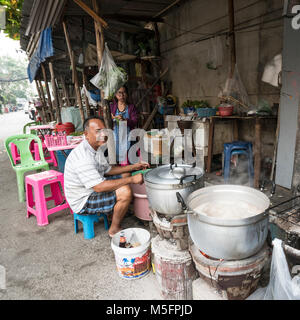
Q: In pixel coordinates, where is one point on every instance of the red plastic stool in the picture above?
(36, 183)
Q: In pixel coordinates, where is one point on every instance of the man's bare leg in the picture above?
(124, 197)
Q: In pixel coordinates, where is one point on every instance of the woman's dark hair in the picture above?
(127, 93)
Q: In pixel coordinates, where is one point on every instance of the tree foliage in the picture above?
(13, 17)
(11, 69)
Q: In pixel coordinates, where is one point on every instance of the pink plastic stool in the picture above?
(37, 182)
(50, 159)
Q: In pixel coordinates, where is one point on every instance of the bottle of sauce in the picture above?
(122, 243)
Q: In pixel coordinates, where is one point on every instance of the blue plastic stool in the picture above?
(238, 147)
(88, 223)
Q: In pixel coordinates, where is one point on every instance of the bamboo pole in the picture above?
(232, 36)
(42, 98)
(55, 94)
(100, 48)
(74, 72)
(65, 91)
(93, 14)
(48, 91)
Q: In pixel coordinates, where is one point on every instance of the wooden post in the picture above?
(232, 36)
(210, 144)
(74, 72)
(65, 91)
(257, 152)
(48, 91)
(42, 98)
(100, 48)
(55, 95)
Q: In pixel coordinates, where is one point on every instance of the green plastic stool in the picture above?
(23, 141)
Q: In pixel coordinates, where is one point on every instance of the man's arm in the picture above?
(115, 170)
(125, 169)
(111, 185)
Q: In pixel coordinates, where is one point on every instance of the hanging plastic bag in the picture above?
(235, 93)
(88, 94)
(110, 77)
(281, 286)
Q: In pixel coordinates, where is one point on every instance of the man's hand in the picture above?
(140, 166)
(137, 179)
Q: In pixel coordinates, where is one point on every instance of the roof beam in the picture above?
(130, 17)
(88, 10)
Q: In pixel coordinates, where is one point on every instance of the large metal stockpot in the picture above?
(231, 238)
(163, 182)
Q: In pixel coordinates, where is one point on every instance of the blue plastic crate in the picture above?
(206, 112)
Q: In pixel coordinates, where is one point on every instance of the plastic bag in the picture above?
(88, 94)
(235, 93)
(281, 285)
(110, 77)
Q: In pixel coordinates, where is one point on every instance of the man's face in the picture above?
(93, 133)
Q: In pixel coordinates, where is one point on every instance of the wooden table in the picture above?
(257, 140)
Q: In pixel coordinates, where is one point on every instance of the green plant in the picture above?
(13, 17)
(201, 104)
(187, 104)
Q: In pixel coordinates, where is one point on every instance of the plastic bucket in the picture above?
(141, 207)
(133, 263)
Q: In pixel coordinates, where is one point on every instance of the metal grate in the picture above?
(288, 211)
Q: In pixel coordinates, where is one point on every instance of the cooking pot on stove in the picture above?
(162, 184)
(225, 236)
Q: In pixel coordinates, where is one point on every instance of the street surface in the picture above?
(12, 123)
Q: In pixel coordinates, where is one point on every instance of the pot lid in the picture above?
(173, 174)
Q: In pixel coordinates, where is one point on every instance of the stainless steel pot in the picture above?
(163, 182)
(228, 239)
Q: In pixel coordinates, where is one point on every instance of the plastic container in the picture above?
(68, 127)
(61, 159)
(188, 110)
(133, 263)
(167, 109)
(225, 111)
(206, 112)
(56, 141)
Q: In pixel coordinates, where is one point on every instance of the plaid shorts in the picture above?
(101, 202)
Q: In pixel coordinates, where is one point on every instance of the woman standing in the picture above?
(121, 111)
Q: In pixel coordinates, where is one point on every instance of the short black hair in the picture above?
(87, 121)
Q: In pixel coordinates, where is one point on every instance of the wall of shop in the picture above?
(187, 54)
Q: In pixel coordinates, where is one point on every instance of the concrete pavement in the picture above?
(52, 262)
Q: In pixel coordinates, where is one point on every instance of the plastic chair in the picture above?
(88, 223)
(50, 159)
(31, 124)
(238, 147)
(35, 183)
(23, 142)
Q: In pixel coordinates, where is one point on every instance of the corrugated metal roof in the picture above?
(44, 14)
